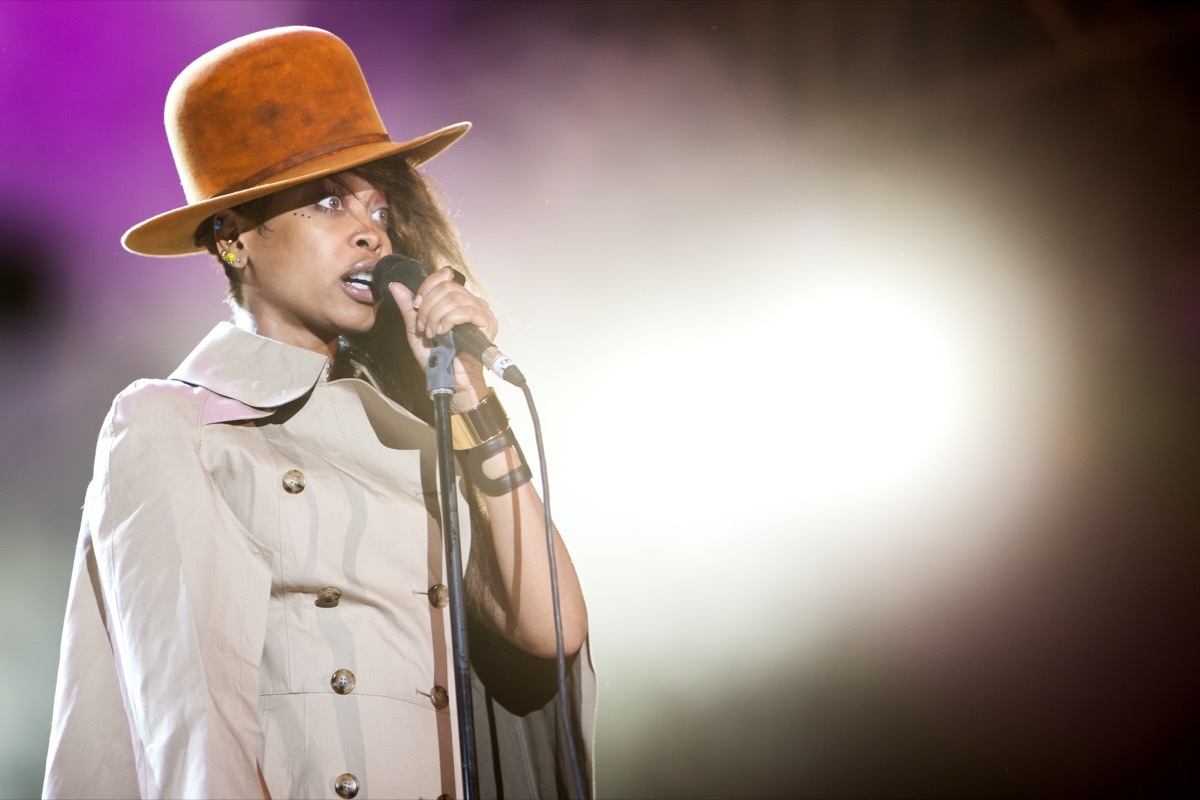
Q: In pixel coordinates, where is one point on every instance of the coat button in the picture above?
(293, 481)
(346, 785)
(439, 697)
(342, 681)
(329, 596)
(439, 596)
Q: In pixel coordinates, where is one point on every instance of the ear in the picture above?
(228, 226)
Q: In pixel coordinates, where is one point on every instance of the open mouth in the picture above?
(359, 284)
(360, 279)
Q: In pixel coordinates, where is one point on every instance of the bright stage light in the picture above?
(840, 403)
(853, 432)
(882, 382)
(890, 365)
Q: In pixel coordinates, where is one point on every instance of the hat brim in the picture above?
(173, 233)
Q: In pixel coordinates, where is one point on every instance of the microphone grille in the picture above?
(398, 269)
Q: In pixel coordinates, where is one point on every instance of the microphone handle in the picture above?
(471, 340)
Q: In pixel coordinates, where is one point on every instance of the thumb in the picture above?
(407, 303)
(403, 297)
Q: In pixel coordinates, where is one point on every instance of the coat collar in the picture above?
(253, 370)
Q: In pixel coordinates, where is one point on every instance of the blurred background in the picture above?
(866, 338)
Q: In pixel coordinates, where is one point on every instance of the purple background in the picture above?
(645, 181)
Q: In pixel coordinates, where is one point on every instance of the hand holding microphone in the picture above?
(467, 336)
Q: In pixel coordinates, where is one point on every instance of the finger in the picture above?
(407, 303)
(448, 305)
(442, 286)
(428, 283)
(461, 315)
(436, 277)
(403, 296)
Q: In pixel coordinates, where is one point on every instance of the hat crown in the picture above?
(262, 113)
(261, 104)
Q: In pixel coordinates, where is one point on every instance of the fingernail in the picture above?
(417, 302)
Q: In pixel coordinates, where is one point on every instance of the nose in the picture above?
(367, 237)
(366, 233)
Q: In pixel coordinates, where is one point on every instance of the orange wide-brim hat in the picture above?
(262, 113)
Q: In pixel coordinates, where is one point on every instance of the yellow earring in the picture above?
(228, 257)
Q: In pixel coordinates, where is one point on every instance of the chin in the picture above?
(359, 323)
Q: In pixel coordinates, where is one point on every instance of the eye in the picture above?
(331, 203)
(381, 215)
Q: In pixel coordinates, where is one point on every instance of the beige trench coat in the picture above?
(258, 585)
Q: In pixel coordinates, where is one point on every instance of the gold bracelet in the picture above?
(480, 424)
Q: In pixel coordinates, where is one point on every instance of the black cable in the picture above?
(565, 703)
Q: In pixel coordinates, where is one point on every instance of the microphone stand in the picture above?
(439, 375)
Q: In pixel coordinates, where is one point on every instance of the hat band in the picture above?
(300, 158)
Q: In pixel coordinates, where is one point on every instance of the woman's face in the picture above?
(307, 273)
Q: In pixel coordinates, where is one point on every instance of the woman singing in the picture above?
(258, 607)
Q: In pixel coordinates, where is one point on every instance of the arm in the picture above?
(508, 576)
(91, 750)
(181, 591)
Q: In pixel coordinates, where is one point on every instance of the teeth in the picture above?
(363, 277)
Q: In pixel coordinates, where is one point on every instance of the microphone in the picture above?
(467, 337)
